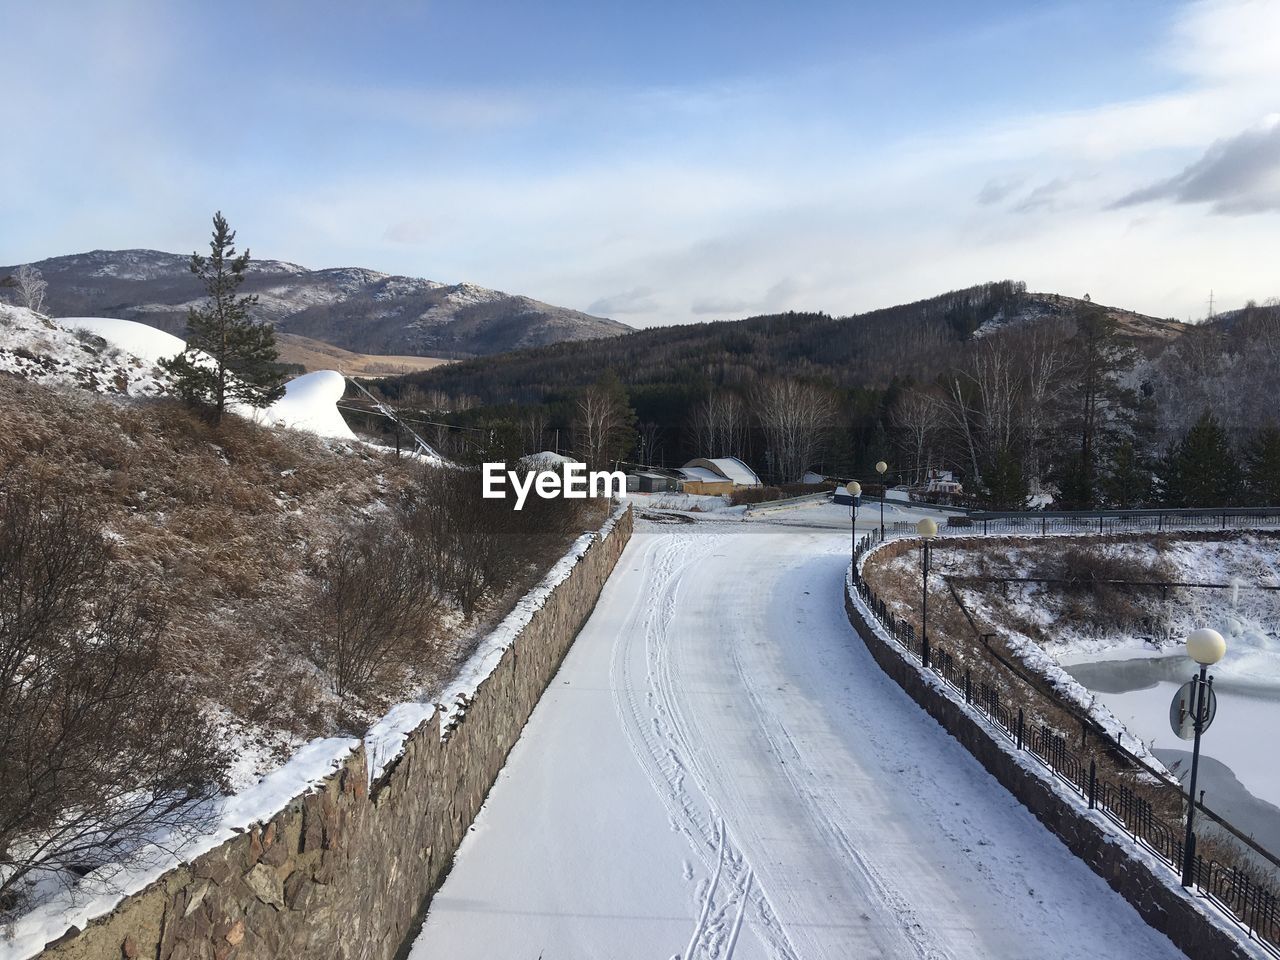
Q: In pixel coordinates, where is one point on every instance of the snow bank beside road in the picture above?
(385, 740)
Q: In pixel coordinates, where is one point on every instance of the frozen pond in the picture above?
(1241, 781)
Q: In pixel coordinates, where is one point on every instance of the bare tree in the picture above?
(533, 427)
(102, 750)
(602, 423)
(469, 547)
(31, 287)
(915, 418)
(1045, 362)
(648, 441)
(374, 607)
(720, 424)
(796, 420)
(960, 408)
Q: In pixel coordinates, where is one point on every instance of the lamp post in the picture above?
(881, 467)
(927, 529)
(1206, 647)
(854, 489)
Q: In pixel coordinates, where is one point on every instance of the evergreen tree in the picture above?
(1098, 405)
(1005, 482)
(242, 364)
(1202, 470)
(1128, 482)
(1263, 460)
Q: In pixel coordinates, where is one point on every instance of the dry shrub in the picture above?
(375, 603)
(742, 495)
(229, 526)
(1096, 593)
(100, 746)
(477, 547)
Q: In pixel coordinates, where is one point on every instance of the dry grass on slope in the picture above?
(222, 522)
(318, 355)
(306, 584)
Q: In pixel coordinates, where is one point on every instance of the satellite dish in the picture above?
(1182, 710)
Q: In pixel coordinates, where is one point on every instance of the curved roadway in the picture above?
(720, 769)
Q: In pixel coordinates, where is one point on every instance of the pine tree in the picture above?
(1005, 482)
(241, 363)
(1128, 482)
(1202, 470)
(1098, 405)
(1263, 459)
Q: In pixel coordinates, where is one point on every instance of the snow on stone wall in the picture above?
(344, 868)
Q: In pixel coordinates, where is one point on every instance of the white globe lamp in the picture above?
(1206, 647)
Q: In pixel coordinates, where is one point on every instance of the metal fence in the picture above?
(1254, 906)
(1042, 523)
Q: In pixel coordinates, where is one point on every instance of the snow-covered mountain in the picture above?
(361, 310)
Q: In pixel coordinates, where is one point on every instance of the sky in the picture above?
(665, 162)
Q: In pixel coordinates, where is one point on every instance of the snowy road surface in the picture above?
(720, 769)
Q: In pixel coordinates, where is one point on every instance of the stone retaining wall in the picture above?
(1133, 874)
(345, 870)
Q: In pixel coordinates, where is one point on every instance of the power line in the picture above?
(418, 420)
(387, 412)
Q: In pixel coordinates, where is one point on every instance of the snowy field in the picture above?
(1135, 677)
(720, 769)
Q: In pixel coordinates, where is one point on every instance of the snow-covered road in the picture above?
(720, 769)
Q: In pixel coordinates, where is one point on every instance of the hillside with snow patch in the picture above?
(122, 357)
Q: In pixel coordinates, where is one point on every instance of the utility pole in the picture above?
(1211, 304)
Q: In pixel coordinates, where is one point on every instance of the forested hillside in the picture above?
(1017, 393)
(914, 340)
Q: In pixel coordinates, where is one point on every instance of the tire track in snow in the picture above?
(657, 731)
(774, 729)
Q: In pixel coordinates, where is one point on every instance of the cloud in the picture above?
(721, 305)
(1043, 196)
(1237, 175)
(413, 231)
(777, 297)
(638, 300)
(999, 188)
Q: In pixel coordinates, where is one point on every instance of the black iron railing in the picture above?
(1042, 523)
(1253, 905)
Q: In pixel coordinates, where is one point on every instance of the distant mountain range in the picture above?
(360, 310)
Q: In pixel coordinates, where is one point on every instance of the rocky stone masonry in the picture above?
(1168, 909)
(344, 871)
